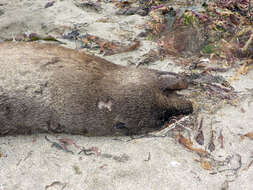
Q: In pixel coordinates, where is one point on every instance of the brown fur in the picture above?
(47, 88)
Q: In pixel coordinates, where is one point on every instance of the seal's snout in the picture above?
(172, 104)
(185, 107)
(178, 106)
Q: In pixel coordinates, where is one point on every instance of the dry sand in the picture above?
(31, 163)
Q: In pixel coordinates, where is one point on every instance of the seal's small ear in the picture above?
(170, 81)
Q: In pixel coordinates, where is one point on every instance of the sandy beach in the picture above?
(122, 163)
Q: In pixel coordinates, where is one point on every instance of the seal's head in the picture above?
(143, 100)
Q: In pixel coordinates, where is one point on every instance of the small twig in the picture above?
(249, 165)
(233, 169)
(56, 183)
(149, 157)
(245, 47)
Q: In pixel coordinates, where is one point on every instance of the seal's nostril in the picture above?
(120, 125)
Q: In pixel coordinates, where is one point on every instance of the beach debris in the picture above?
(249, 165)
(188, 144)
(88, 5)
(211, 91)
(200, 137)
(148, 58)
(221, 139)
(72, 35)
(65, 141)
(233, 164)
(183, 39)
(31, 37)
(211, 146)
(59, 146)
(249, 135)
(142, 11)
(243, 70)
(77, 170)
(121, 158)
(205, 164)
(108, 47)
(225, 185)
(216, 29)
(56, 184)
(148, 158)
(123, 3)
(49, 4)
(90, 151)
(162, 19)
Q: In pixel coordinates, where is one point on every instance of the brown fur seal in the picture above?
(47, 88)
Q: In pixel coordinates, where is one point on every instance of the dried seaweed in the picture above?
(33, 37)
(200, 137)
(148, 58)
(58, 146)
(88, 5)
(188, 144)
(108, 47)
(211, 146)
(210, 91)
(90, 151)
(66, 141)
(205, 164)
(243, 70)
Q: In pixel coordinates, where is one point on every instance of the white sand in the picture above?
(30, 163)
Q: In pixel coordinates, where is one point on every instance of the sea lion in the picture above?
(48, 88)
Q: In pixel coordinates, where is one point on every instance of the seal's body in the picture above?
(47, 88)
